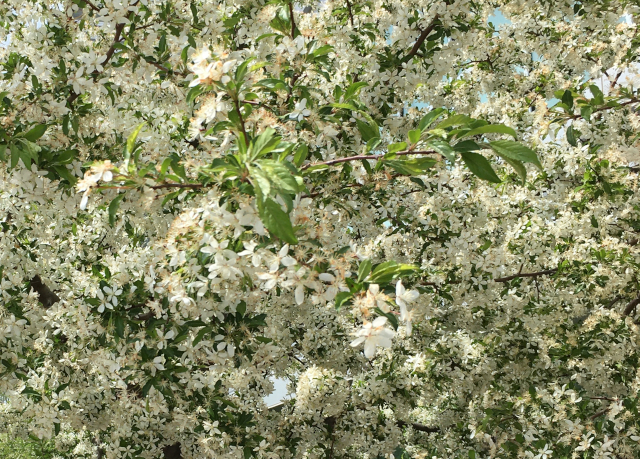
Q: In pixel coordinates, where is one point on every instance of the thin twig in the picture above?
(599, 413)
(177, 185)
(361, 157)
(615, 80)
(244, 131)
(607, 107)
(537, 274)
(350, 12)
(93, 7)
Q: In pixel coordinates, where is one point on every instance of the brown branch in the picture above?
(244, 131)
(360, 157)
(537, 274)
(293, 21)
(350, 13)
(612, 302)
(47, 297)
(417, 426)
(158, 65)
(615, 80)
(423, 36)
(193, 186)
(93, 7)
(172, 451)
(146, 316)
(599, 413)
(631, 306)
(112, 48)
(607, 107)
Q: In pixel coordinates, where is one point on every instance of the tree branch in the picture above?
(606, 107)
(172, 451)
(47, 297)
(350, 13)
(244, 131)
(93, 7)
(423, 36)
(417, 426)
(514, 276)
(112, 49)
(193, 186)
(293, 21)
(360, 157)
(631, 306)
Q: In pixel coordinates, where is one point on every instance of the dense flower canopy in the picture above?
(422, 214)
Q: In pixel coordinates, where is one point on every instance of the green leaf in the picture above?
(194, 93)
(414, 136)
(396, 147)
(393, 319)
(443, 148)
(430, 118)
(518, 167)
(36, 132)
(131, 140)
(113, 208)
(567, 99)
(281, 178)
(411, 166)
(373, 143)
(368, 130)
(15, 155)
(322, 51)
(273, 84)
(262, 181)
(598, 97)
(480, 166)
(281, 21)
(344, 106)
(65, 173)
(491, 129)
(455, 120)
(200, 336)
(241, 308)
(353, 90)
(515, 150)
(585, 112)
(264, 143)
(118, 322)
(386, 272)
(571, 138)
(467, 145)
(276, 220)
(3, 150)
(65, 157)
(300, 155)
(363, 270)
(342, 298)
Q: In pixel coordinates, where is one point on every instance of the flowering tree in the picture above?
(428, 224)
